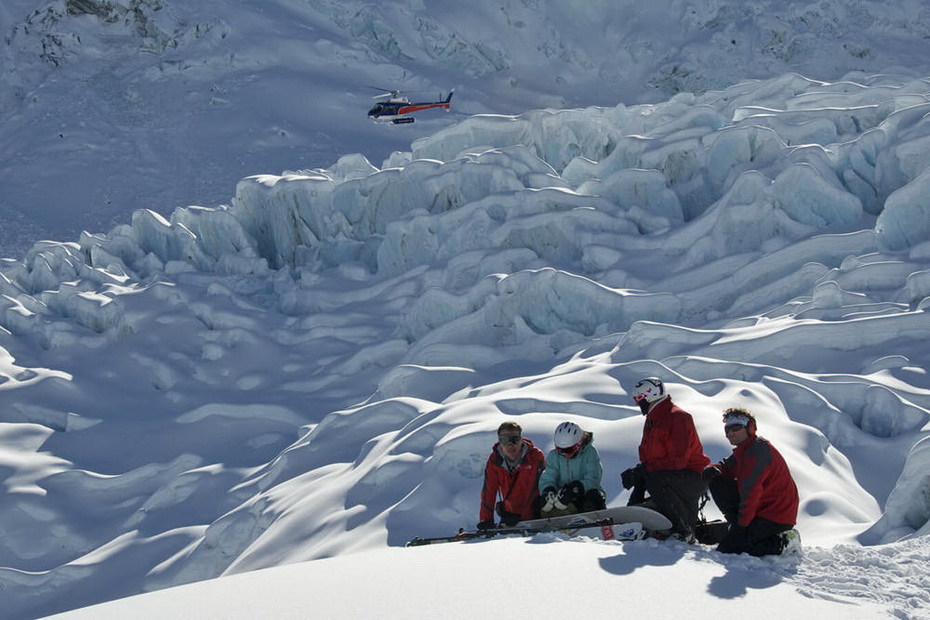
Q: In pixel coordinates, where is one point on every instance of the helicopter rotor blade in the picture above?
(386, 92)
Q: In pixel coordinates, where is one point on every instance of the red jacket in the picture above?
(518, 488)
(766, 488)
(670, 441)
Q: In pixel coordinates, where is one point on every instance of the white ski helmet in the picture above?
(649, 389)
(567, 434)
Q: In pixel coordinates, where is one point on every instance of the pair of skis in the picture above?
(608, 531)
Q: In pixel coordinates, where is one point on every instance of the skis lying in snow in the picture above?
(607, 529)
(619, 523)
(651, 520)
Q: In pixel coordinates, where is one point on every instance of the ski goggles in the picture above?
(509, 440)
(735, 421)
(570, 451)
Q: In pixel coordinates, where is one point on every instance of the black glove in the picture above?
(626, 478)
(549, 499)
(735, 541)
(634, 476)
(710, 472)
(510, 518)
(571, 492)
(486, 525)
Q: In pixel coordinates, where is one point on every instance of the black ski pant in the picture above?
(760, 537)
(676, 494)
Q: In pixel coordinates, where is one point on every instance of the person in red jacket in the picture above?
(671, 460)
(512, 473)
(754, 490)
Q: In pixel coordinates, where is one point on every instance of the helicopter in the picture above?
(397, 107)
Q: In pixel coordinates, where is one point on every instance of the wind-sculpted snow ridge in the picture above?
(319, 367)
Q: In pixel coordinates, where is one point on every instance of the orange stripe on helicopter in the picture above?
(419, 108)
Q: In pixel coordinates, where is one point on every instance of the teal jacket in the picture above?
(584, 467)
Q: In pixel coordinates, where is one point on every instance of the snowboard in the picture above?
(651, 520)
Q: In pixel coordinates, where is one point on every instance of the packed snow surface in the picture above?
(606, 579)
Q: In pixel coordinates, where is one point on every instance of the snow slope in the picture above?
(608, 579)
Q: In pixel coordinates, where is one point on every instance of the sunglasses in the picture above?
(509, 440)
(732, 428)
(568, 452)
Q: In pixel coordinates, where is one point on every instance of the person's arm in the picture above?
(488, 494)
(593, 470)
(727, 466)
(529, 488)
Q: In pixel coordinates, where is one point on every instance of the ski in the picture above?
(608, 529)
(651, 520)
(463, 535)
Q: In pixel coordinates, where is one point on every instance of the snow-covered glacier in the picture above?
(318, 366)
(186, 98)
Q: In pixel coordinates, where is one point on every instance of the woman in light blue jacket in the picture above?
(571, 481)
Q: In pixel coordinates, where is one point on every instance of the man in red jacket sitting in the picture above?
(512, 473)
(755, 492)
